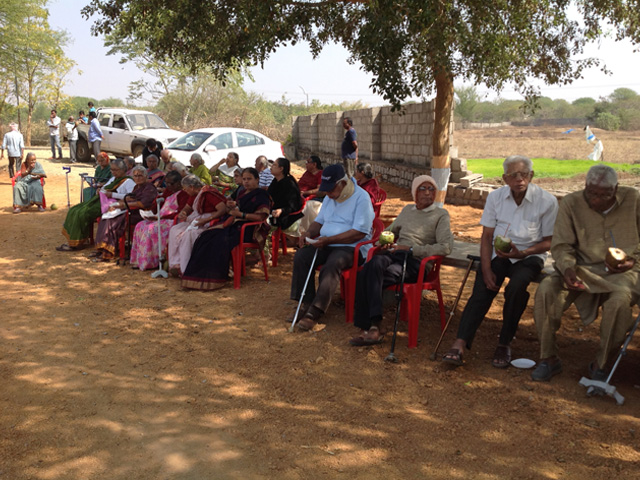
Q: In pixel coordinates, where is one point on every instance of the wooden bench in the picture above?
(463, 252)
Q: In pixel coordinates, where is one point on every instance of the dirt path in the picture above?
(108, 374)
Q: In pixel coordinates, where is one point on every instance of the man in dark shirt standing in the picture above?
(349, 147)
(152, 147)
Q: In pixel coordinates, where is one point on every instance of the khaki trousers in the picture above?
(552, 299)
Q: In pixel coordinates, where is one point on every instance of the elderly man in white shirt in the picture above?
(526, 214)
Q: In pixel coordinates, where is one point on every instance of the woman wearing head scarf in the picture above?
(78, 225)
(208, 207)
(420, 230)
(144, 247)
(208, 267)
(28, 189)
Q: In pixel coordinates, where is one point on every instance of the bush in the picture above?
(607, 121)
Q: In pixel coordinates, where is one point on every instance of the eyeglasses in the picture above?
(517, 175)
(426, 189)
(139, 175)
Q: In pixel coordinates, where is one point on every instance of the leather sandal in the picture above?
(501, 357)
(453, 357)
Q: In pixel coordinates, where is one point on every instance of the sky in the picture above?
(292, 73)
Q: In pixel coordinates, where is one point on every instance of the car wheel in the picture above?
(83, 152)
(137, 150)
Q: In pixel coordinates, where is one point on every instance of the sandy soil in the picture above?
(108, 374)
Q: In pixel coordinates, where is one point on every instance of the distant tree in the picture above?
(33, 55)
(608, 121)
(584, 101)
(466, 101)
(410, 47)
(622, 95)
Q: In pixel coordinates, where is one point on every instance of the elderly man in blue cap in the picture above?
(345, 219)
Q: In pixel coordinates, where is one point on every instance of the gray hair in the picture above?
(365, 169)
(139, 168)
(511, 159)
(119, 163)
(192, 181)
(153, 157)
(130, 161)
(262, 160)
(179, 167)
(29, 155)
(602, 176)
(197, 157)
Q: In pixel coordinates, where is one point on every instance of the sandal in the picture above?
(306, 323)
(453, 357)
(501, 357)
(97, 253)
(65, 248)
(371, 337)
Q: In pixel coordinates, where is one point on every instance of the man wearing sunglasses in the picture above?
(524, 215)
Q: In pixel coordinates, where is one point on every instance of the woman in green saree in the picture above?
(78, 225)
(199, 169)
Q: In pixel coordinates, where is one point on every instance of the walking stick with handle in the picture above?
(66, 175)
(399, 293)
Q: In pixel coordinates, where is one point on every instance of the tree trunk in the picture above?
(440, 162)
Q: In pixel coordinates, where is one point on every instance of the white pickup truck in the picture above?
(125, 132)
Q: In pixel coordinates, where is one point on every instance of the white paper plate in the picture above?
(523, 363)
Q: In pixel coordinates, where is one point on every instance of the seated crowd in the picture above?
(201, 212)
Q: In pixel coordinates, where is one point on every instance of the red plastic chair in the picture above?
(349, 276)
(15, 178)
(278, 237)
(377, 205)
(238, 256)
(412, 296)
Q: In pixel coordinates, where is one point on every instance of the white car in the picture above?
(214, 144)
(125, 132)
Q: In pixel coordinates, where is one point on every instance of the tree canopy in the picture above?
(410, 47)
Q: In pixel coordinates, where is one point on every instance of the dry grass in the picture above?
(546, 142)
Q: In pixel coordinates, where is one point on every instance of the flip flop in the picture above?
(453, 357)
(501, 357)
(65, 248)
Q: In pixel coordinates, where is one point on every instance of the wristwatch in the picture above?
(411, 250)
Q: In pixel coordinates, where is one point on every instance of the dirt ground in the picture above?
(108, 374)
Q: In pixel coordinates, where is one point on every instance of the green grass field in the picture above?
(544, 167)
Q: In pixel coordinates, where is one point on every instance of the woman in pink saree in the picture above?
(144, 247)
(208, 206)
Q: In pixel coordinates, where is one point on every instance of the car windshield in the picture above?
(143, 121)
(190, 142)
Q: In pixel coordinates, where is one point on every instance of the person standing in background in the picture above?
(95, 135)
(72, 136)
(349, 147)
(54, 134)
(13, 142)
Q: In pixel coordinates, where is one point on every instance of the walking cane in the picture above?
(66, 175)
(399, 292)
(82, 180)
(160, 272)
(304, 290)
(472, 258)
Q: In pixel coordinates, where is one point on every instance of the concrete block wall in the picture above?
(397, 144)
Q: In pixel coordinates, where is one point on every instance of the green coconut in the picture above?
(502, 244)
(615, 257)
(54, 206)
(386, 238)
